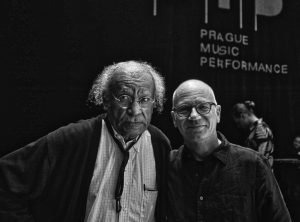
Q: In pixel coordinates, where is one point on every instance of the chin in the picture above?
(198, 136)
(133, 132)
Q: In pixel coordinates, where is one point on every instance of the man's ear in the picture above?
(174, 118)
(218, 113)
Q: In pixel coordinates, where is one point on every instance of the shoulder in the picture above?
(243, 155)
(79, 130)
(157, 134)
(248, 164)
(236, 152)
(175, 160)
(78, 139)
(176, 154)
(253, 162)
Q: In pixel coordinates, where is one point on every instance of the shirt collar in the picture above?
(125, 144)
(220, 153)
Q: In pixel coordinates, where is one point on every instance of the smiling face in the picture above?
(197, 127)
(133, 120)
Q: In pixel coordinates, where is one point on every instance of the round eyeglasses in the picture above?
(126, 101)
(202, 108)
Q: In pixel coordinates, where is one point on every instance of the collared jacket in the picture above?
(48, 180)
(234, 184)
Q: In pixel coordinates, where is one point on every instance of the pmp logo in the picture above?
(262, 7)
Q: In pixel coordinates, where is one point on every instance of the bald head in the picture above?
(193, 86)
(196, 115)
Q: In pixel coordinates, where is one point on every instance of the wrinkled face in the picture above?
(133, 120)
(296, 142)
(196, 127)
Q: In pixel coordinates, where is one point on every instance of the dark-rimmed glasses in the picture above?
(202, 108)
(126, 101)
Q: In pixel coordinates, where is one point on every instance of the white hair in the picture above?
(102, 82)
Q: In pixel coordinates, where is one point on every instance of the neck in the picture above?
(117, 135)
(201, 150)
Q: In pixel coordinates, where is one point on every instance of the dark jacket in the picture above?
(48, 180)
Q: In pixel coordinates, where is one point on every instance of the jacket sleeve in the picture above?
(269, 200)
(23, 176)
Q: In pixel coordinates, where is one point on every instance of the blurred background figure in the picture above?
(259, 134)
(296, 146)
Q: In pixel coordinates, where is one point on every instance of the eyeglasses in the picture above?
(126, 101)
(202, 108)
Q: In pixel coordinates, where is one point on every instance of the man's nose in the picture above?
(194, 114)
(135, 108)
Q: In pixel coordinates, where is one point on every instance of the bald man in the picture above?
(211, 179)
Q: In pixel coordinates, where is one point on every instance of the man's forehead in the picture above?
(136, 79)
(190, 92)
(132, 76)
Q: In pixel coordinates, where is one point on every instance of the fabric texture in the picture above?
(260, 139)
(48, 180)
(234, 184)
(137, 204)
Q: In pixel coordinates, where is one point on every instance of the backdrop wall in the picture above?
(243, 49)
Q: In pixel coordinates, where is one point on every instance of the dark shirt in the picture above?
(233, 184)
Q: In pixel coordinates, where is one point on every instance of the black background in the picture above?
(54, 49)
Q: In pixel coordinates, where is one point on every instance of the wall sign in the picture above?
(235, 47)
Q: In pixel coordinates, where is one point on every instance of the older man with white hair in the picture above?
(108, 168)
